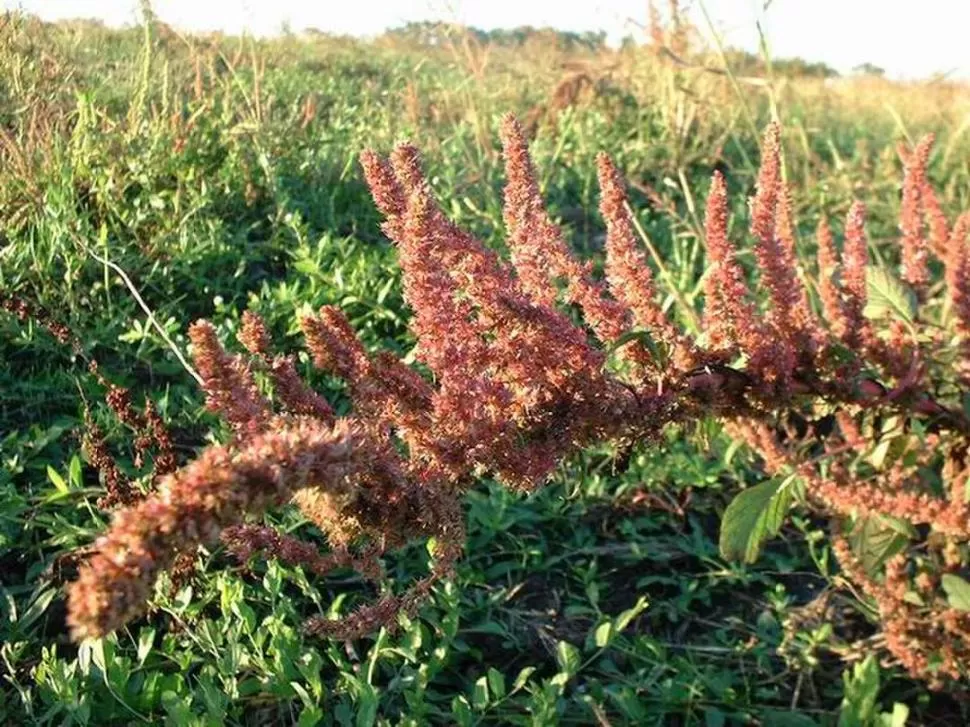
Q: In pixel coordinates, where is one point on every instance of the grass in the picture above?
(220, 174)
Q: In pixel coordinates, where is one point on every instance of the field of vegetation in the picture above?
(151, 179)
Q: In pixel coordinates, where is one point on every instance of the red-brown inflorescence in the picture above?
(149, 431)
(957, 265)
(540, 253)
(855, 259)
(27, 311)
(254, 335)
(118, 488)
(773, 231)
(290, 390)
(192, 507)
(829, 286)
(731, 320)
(628, 272)
(849, 402)
(229, 385)
(913, 242)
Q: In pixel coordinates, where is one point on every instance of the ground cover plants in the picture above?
(572, 432)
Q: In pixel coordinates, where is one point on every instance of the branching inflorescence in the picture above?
(851, 384)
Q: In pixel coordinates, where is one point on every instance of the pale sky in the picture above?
(910, 39)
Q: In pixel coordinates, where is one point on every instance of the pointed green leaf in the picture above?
(860, 691)
(567, 656)
(602, 634)
(888, 296)
(523, 678)
(876, 539)
(496, 682)
(56, 479)
(480, 694)
(145, 641)
(753, 516)
(957, 591)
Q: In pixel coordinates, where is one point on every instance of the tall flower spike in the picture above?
(229, 385)
(775, 248)
(521, 195)
(764, 204)
(429, 248)
(443, 323)
(939, 228)
(829, 289)
(913, 241)
(387, 192)
(539, 252)
(254, 335)
(855, 259)
(293, 393)
(334, 344)
(386, 393)
(406, 162)
(803, 321)
(627, 270)
(729, 317)
(957, 262)
(718, 313)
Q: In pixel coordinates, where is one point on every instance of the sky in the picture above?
(910, 39)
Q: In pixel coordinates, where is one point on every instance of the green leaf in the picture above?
(310, 716)
(877, 538)
(897, 718)
(523, 678)
(367, 703)
(602, 634)
(74, 472)
(58, 481)
(480, 694)
(461, 711)
(624, 619)
(145, 641)
(755, 515)
(714, 717)
(861, 688)
(178, 708)
(496, 682)
(97, 655)
(567, 656)
(37, 607)
(888, 296)
(301, 692)
(957, 591)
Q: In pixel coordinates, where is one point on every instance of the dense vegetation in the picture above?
(220, 175)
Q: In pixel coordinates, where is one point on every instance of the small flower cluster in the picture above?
(517, 384)
(150, 432)
(26, 311)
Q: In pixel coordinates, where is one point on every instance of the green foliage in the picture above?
(753, 516)
(888, 296)
(876, 539)
(957, 591)
(860, 705)
(243, 198)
